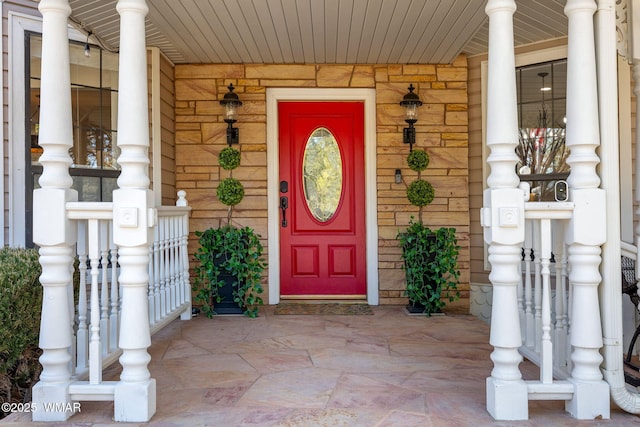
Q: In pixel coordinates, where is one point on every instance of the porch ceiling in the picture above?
(312, 31)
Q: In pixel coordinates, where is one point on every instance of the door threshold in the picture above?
(325, 299)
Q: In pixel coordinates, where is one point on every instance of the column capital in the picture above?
(500, 6)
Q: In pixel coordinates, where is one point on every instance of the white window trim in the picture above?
(529, 58)
(311, 94)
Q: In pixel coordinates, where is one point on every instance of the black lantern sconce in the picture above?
(410, 102)
(231, 104)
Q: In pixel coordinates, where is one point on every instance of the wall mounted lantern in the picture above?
(231, 104)
(410, 102)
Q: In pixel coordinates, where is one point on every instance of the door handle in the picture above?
(284, 204)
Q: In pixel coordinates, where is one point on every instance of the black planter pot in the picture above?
(225, 293)
(425, 258)
(417, 308)
(227, 305)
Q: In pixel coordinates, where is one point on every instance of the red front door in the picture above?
(322, 199)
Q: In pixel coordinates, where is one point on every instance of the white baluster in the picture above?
(181, 266)
(528, 293)
(157, 300)
(82, 345)
(585, 232)
(546, 347)
(167, 264)
(52, 231)
(173, 264)
(184, 255)
(72, 315)
(559, 330)
(114, 313)
(104, 286)
(162, 245)
(521, 298)
(95, 345)
(150, 297)
(537, 286)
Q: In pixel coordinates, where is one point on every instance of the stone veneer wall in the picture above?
(442, 129)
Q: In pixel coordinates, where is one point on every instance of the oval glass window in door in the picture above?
(322, 174)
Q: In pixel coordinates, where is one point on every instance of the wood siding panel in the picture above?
(167, 112)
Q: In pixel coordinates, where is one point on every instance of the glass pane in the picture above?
(542, 117)
(88, 188)
(94, 99)
(108, 185)
(322, 174)
(33, 110)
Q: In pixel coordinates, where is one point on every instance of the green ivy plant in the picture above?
(232, 251)
(431, 265)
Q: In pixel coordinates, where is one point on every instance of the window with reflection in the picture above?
(94, 95)
(94, 99)
(542, 121)
(322, 174)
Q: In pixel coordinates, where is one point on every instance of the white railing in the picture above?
(96, 298)
(544, 297)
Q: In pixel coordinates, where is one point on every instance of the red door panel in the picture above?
(322, 249)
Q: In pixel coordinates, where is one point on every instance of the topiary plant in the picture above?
(420, 192)
(228, 279)
(230, 191)
(229, 158)
(430, 257)
(418, 160)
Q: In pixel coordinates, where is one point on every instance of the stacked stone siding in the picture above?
(442, 129)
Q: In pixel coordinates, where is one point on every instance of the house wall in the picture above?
(167, 131)
(441, 129)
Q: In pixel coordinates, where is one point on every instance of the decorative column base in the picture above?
(590, 400)
(51, 402)
(135, 402)
(507, 400)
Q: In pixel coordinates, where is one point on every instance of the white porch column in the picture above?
(52, 231)
(133, 217)
(503, 218)
(586, 231)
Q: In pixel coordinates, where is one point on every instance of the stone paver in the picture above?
(387, 370)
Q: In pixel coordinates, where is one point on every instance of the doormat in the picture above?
(324, 309)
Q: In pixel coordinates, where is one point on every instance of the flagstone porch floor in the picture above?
(389, 369)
